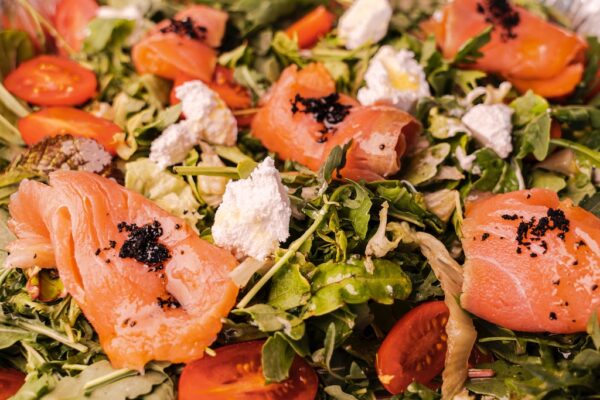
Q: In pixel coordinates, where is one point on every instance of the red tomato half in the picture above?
(71, 19)
(236, 373)
(52, 81)
(170, 56)
(415, 348)
(11, 381)
(313, 26)
(56, 121)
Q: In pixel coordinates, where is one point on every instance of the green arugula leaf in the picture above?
(334, 162)
(289, 287)
(592, 204)
(469, 52)
(534, 138)
(277, 358)
(359, 209)
(270, 319)
(107, 33)
(336, 284)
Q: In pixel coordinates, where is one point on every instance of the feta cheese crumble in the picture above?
(255, 214)
(394, 78)
(207, 119)
(366, 21)
(491, 126)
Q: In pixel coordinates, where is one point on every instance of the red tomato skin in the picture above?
(402, 358)
(11, 381)
(56, 121)
(52, 81)
(235, 373)
(313, 26)
(71, 19)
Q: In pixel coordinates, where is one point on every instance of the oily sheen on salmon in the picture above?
(532, 262)
(525, 49)
(303, 119)
(150, 287)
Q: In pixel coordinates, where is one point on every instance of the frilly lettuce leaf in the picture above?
(168, 191)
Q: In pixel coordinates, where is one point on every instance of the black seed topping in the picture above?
(533, 255)
(552, 316)
(575, 262)
(112, 244)
(185, 27)
(142, 244)
(510, 217)
(501, 14)
(97, 252)
(594, 287)
(485, 236)
(556, 282)
(177, 226)
(326, 110)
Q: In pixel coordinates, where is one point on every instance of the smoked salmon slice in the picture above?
(524, 49)
(151, 288)
(532, 262)
(170, 56)
(302, 119)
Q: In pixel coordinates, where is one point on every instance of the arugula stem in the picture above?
(291, 251)
(586, 151)
(42, 330)
(229, 172)
(12, 104)
(115, 376)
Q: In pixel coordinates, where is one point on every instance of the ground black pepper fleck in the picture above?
(35, 256)
(112, 244)
(509, 217)
(108, 261)
(575, 262)
(533, 255)
(326, 110)
(97, 252)
(177, 226)
(485, 236)
(594, 287)
(579, 244)
(142, 244)
(556, 282)
(552, 316)
(169, 302)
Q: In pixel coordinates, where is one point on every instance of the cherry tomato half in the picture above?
(56, 121)
(52, 81)
(415, 348)
(11, 381)
(313, 26)
(71, 19)
(236, 373)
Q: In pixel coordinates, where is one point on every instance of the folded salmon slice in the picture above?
(525, 48)
(532, 262)
(151, 288)
(380, 134)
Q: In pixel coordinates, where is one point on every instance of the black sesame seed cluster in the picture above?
(502, 15)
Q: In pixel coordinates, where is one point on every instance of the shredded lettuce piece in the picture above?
(460, 330)
(168, 191)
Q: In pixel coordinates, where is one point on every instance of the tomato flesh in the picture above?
(71, 19)
(11, 381)
(56, 121)
(236, 373)
(52, 81)
(415, 348)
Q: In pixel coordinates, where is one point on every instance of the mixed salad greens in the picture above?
(342, 234)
